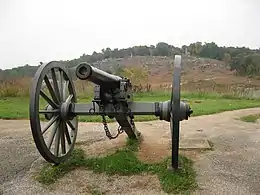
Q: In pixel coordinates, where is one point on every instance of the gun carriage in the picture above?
(113, 97)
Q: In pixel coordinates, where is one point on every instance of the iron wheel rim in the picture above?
(174, 111)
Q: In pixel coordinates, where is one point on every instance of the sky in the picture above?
(33, 31)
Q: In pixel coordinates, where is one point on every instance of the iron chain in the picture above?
(108, 134)
(119, 129)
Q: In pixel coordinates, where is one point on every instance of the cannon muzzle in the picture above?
(85, 71)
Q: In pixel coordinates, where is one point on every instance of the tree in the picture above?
(162, 49)
(107, 53)
(227, 58)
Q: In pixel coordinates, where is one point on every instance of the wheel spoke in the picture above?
(69, 98)
(57, 141)
(55, 84)
(54, 105)
(52, 135)
(71, 125)
(65, 87)
(66, 131)
(48, 111)
(49, 123)
(48, 84)
(63, 146)
(61, 79)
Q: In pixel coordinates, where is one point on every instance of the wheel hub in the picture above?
(65, 111)
(165, 111)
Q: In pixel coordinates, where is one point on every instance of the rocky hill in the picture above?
(162, 67)
(198, 72)
(205, 64)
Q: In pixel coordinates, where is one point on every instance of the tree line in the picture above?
(243, 60)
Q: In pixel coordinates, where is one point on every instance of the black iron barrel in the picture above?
(85, 71)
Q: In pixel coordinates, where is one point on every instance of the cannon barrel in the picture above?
(85, 71)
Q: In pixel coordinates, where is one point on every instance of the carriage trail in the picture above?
(233, 167)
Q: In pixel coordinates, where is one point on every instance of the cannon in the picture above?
(113, 97)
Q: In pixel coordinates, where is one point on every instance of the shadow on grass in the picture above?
(125, 162)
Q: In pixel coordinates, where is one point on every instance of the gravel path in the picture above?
(17, 150)
(233, 167)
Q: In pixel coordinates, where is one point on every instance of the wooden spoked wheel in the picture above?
(51, 97)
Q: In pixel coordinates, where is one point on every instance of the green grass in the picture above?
(125, 162)
(250, 118)
(18, 108)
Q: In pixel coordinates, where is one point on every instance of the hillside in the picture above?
(159, 68)
(205, 66)
(244, 61)
(199, 72)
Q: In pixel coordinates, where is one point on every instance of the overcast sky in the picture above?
(32, 30)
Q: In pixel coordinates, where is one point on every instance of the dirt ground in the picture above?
(233, 167)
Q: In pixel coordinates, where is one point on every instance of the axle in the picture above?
(159, 109)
